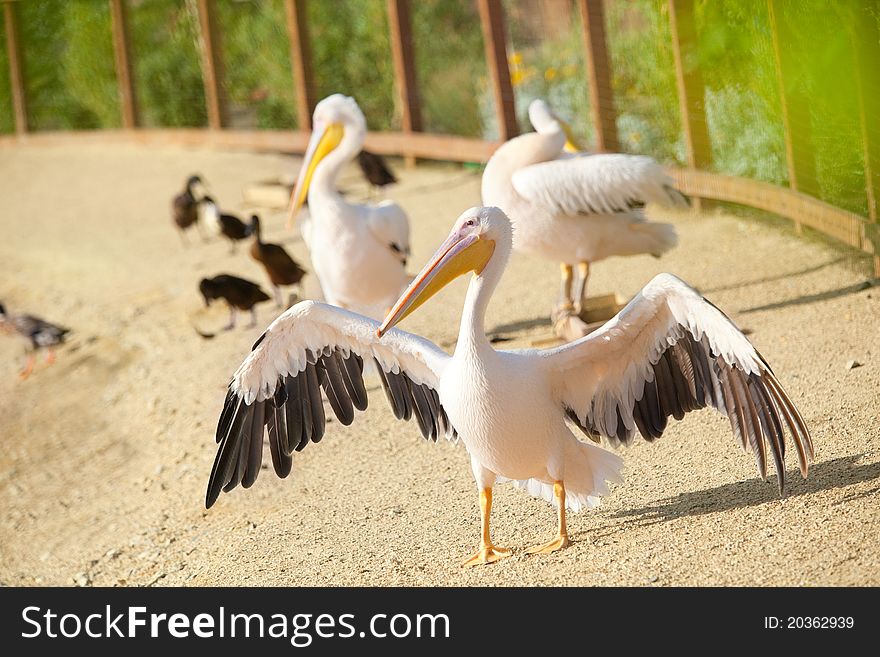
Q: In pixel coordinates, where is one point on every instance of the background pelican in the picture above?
(668, 352)
(358, 252)
(576, 209)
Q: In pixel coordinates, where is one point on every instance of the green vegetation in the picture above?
(451, 68)
(70, 78)
(167, 73)
(7, 123)
(261, 94)
(68, 64)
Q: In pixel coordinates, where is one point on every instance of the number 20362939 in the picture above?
(808, 622)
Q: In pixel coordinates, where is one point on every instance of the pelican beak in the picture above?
(458, 255)
(324, 139)
(571, 142)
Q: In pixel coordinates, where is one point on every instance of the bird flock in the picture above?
(667, 353)
(543, 419)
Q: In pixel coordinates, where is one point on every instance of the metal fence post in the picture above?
(599, 75)
(799, 150)
(691, 90)
(122, 54)
(16, 79)
(866, 46)
(495, 41)
(300, 61)
(405, 83)
(212, 63)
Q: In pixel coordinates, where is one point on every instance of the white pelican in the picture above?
(358, 252)
(668, 352)
(576, 209)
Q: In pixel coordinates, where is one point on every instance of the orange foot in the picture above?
(487, 554)
(558, 543)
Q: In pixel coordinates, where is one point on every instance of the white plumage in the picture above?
(577, 208)
(358, 252)
(668, 352)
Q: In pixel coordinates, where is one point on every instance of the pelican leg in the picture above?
(253, 323)
(580, 287)
(565, 298)
(278, 298)
(561, 539)
(28, 367)
(50, 356)
(487, 553)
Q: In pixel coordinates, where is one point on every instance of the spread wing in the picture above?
(310, 348)
(667, 353)
(597, 184)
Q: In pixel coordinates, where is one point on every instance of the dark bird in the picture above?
(39, 332)
(239, 294)
(375, 170)
(279, 266)
(185, 208)
(230, 226)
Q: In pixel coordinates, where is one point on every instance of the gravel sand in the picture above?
(106, 454)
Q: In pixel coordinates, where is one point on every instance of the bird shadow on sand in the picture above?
(521, 325)
(812, 298)
(772, 279)
(827, 475)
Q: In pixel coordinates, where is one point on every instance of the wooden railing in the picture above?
(798, 202)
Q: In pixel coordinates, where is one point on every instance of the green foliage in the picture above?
(67, 54)
(167, 73)
(451, 67)
(70, 79)
(643, 79)
(351, 54)
(259, 84)
(7, 122)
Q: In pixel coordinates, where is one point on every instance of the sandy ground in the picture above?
(105, 455)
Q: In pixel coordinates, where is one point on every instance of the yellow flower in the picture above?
(516, 77)
(636, 137)
(569, 70)
(515, 58)
(549, 74)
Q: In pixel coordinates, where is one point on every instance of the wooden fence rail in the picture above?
(798, 202)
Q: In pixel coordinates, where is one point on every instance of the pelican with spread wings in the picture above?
(574, 207)
(358, 252)
(667, 353)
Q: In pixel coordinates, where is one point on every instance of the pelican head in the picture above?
(334, 117)
(543, 118)
(469, 248)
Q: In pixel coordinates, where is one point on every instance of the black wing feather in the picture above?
(293, 416)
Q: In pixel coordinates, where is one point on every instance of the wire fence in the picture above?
(777, 91)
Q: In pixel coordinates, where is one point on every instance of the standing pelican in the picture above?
(576, 209)
(668, 352)
(358, 252)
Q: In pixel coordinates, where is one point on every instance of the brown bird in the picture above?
(185, 208)
(279, 266)
(375, 170)
(39, 332)
(239, 293)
